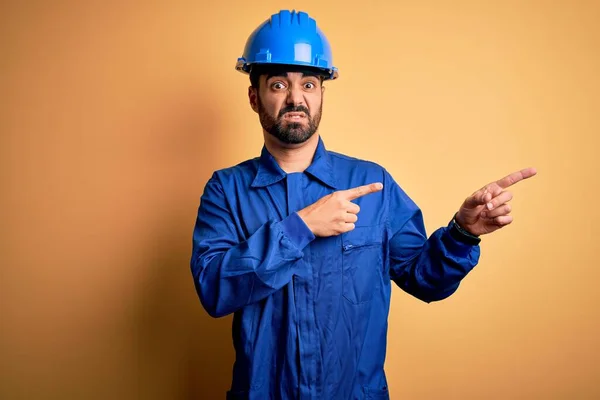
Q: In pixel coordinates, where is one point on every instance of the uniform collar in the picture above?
(270, 172)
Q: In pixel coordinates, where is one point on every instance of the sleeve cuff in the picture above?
(460, 235)
(297, 231)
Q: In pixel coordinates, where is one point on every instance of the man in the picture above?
(301, 244)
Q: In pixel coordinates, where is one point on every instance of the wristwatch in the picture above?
(460, 234)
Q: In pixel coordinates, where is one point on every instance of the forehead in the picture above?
(290, 75)
(286, 71)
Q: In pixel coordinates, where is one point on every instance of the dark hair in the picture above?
(270, 70)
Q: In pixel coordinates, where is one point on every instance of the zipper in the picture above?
(352, 246)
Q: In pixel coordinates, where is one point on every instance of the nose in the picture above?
(295, 96)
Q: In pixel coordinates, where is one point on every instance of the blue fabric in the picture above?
(310, 313)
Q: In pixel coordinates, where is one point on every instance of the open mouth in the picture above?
(294, 116)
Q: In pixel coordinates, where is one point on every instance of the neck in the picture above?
(292, 157)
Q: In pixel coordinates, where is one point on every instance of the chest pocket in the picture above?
(362, 259)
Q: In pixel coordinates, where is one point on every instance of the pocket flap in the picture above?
(362, 236)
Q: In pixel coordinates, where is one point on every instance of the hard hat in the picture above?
(288, 38)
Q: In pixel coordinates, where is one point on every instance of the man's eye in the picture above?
(278, 85)
(309, 85)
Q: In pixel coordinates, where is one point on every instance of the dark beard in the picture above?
(290, 132)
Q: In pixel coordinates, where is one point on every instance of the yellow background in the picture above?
(113, 116)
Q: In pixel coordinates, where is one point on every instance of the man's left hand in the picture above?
(486, 210)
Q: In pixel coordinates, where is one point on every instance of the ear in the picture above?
(253, 98)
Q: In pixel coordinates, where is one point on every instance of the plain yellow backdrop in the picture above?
(113, 115)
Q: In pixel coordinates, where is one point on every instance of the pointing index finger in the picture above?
(515, 177)
(360, 191)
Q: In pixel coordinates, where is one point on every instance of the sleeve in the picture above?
(429, 269)
(230, 274)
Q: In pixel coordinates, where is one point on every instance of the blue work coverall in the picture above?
(310, 313)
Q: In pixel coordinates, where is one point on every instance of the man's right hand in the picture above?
(335, 213)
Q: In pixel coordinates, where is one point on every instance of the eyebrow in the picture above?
(285, 74)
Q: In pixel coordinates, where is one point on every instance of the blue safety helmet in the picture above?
(288, 38)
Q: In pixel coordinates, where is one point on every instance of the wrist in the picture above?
(305, 219)
(460, 233)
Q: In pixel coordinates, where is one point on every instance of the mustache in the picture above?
(294, 109)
